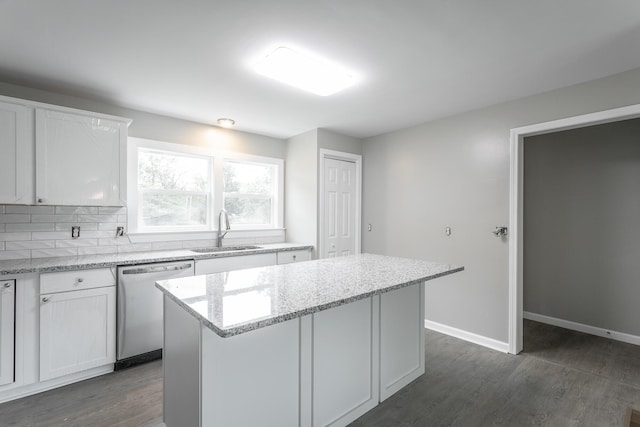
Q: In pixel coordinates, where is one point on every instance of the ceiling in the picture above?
(418, 59)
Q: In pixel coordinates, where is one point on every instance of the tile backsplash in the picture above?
(45, 231)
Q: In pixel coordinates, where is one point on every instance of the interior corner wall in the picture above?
(159, 127)
(337, 142)
(582, 225)
(454, 172)
(301, 189)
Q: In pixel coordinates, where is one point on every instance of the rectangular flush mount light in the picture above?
(304, 72)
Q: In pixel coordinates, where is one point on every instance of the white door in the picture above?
(79, 159)
(339, 208)
(7, 313)
(16, 154)
(77, 331)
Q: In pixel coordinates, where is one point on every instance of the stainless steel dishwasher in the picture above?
(139, 310)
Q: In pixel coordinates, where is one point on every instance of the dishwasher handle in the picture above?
(157, 269)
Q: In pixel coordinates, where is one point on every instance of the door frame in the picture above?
(348, 157)
(516, 196)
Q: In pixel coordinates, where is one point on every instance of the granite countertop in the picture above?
(85, 262)
(236, 302)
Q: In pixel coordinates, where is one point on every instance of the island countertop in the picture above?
(236, 302)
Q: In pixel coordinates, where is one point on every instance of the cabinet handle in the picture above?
(45, 299)
(80, 280)
(41, 200)
(294, 257)
(7, 285)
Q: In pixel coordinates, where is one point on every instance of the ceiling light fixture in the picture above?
(226, 123)
(304, 71)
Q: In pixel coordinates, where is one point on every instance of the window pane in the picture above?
(163, 210)
(171, 171)
(248, 210)
(248, 178)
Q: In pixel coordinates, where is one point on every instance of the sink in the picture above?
(223, 249)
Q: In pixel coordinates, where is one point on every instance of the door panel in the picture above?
(339, 208)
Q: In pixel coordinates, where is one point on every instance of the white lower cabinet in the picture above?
(288, 257)
(7, 325)
(77, 329)
(218, 265)
(345, 362)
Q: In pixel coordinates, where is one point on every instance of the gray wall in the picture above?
(158, 127)
(301, 188)
(455, 172)
(582, 225)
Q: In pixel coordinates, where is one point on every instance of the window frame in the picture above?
(277, 207)
(216, 185)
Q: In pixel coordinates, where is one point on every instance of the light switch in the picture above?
(447, 231)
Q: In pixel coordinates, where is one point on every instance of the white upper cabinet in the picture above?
(16, 159)
(80, 159)
(60, 156)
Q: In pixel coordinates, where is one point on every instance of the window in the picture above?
(249, 192)
(174, 190)
(179, 188)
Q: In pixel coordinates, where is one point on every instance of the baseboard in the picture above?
(467, 336)
(592, 330)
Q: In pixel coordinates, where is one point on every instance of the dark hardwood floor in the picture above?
(562, 378)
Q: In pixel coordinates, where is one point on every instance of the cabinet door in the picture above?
(288, 257)
(77, 331)
(16, 160)
(80, 159)
(218, 265)
(7, 320)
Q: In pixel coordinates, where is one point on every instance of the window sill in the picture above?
(204, 235)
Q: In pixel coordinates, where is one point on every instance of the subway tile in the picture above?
(46, 253)
(76, 243)
(98, 250)
(84, 210)
(43, 226)
(54, 218)
(166, 246)
(110, 226)
(10, 237)
(97, 234)
(14, 254)
(97, 218)
(113, 241)
(122, 218)
(2, 248)
(1, 227)
(51, 235)
(137, 247)
(85, 226)
(188, 244)
(17, 209)
(14, 218)
(112, 210)
(31, 244)
(1, 209)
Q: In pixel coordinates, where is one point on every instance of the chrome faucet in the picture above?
(227, 227)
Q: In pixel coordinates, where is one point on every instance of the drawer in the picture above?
(76, 280)
(288, 257)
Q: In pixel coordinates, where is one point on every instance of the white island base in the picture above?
(323, 369)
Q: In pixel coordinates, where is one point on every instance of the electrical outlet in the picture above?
(75, 231)
(119, 231)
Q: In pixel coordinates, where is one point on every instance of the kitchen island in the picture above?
(315, 343)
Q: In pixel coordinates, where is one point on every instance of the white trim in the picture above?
(516, 207)
(500, 346)
(580, 327)
(216, 164)
(349, 157)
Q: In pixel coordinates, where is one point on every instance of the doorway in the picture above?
(516, 262)
(340, 201)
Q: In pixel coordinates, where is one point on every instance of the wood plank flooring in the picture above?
(563, 378)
